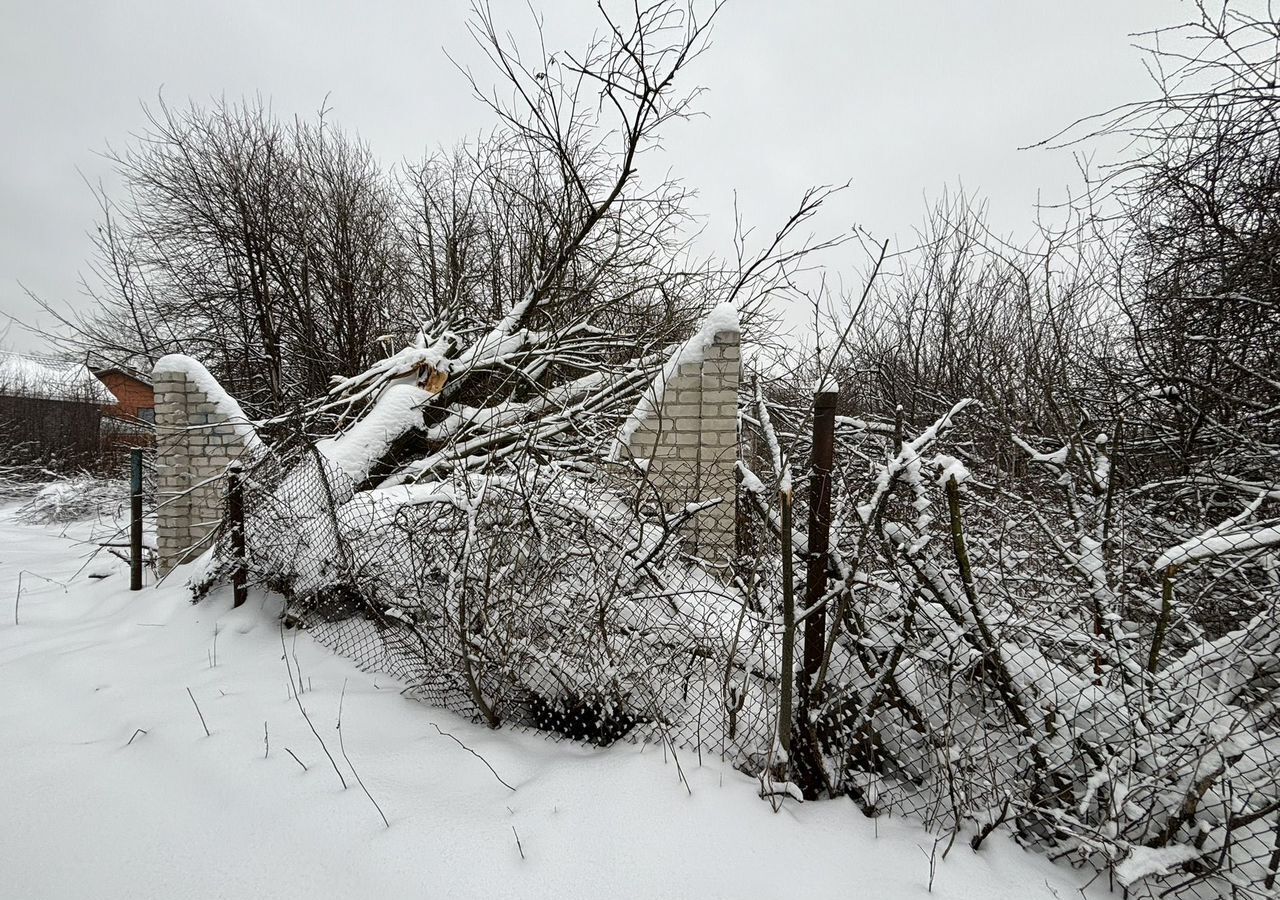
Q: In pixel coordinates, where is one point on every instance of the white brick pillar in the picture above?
(686, 425)
(716, 528)
(200, 431)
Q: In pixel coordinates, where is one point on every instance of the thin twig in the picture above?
(135, 734)
(200, 714)
(295, 758)
(22, 572)
(343, 747)
(519, 846)
(675, 757)
(302, 709)
(475, 754)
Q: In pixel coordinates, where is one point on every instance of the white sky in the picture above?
(904, 99)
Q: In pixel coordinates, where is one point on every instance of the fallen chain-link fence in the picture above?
(1090, 670)
(553, 598)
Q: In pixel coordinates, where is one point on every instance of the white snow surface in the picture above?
(1055, 458)
(1228, 536)
(203, 379)
(949, 467)
(1208, 547)
(1142, 862)
(112, 789)
(751, 481)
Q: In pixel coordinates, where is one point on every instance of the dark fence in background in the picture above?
(53, 434)
(42, 438)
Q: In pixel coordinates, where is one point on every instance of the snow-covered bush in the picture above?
(17, 482)
(76, 498)
(997, 655)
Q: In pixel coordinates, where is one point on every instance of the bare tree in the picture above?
(268, 249)
(1197, 238)
(483, 220)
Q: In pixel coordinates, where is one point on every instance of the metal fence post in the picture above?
(815, 625)
(135, 519)
(235, 516)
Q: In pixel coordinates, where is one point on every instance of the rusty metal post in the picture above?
(235, 517)
(815, 625)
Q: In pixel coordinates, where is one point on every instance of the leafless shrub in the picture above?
(75, 499)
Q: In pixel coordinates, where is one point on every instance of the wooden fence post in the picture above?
(786, 718)
(806, 768)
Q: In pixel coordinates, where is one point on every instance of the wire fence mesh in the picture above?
(1051, 655)
(554, 598)
(1056, 653)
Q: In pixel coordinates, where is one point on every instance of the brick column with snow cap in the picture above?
(686, 426)
(200, 431)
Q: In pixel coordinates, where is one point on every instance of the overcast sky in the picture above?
(903, 99)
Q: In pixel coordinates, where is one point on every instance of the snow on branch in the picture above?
(1228, 536)
(906, 464)
(356, 451)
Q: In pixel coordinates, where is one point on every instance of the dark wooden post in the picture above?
(786, 718)
(135, 519)
(806, 759)
(815, 625)
(235, 517)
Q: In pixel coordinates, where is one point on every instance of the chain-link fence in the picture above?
(1095, 674)
(561, 598)
(1054, 653)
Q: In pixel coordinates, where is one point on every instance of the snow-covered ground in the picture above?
(109, 786)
